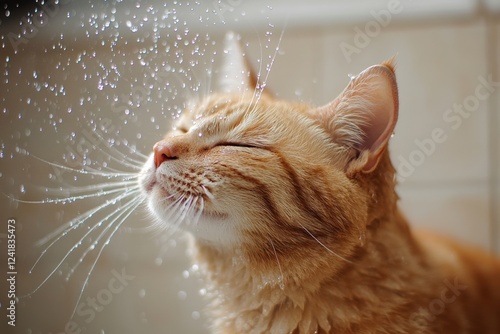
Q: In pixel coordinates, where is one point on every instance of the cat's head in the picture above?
(243, 168)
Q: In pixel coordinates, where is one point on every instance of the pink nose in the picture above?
(163, 151)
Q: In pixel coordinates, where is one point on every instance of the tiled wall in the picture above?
(454, 189)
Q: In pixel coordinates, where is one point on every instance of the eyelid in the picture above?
(237, 145)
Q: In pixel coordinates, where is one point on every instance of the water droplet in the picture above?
(158, 261)
(195, 315)
(185, 274)
(22, 188)
(182, 295)
(27, 132)
(142, 293)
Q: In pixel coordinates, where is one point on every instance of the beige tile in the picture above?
(461, 212)
(145, 300)
(495, 141)
(437, 67)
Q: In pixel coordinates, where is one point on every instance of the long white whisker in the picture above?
(67, 199)
(123, 209)
(87, 214)
(92, 187)
(323, 245)
(113, 170)
(176, 212)
(272, 63)
(131, 162)
(200, 211)
(66, 256)
(207, 192)
(186, 208)
(100, 252)
(282, 278)
(82, 171)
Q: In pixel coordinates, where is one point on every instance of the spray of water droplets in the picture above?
(88, 87)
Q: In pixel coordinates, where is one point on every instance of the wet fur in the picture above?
(297, 228)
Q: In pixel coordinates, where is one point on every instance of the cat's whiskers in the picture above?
(120, 185)
(130, 209)
(281, 279)
(185, 208)
(323, 245)
(68, 199)
(110, 185)
(208, 192)
(88, 214)
(125, 159)
(121, 211)
(270, 65)
(63, 229)
(85, 170)
(200, 209)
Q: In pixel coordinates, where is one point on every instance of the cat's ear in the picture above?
(364, 115)
(236, 74)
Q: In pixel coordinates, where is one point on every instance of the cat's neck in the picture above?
(312, 292)
(311, 287)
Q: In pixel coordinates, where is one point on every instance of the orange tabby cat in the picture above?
(295, 218)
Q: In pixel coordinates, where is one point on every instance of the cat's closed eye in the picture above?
(237, 144)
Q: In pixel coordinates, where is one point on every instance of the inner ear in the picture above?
(364, 115)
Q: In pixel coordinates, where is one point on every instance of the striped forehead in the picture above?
(220, 115)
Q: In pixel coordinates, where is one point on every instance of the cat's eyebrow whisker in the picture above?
(269, 67)
(257, 84)
(71, 249)
(130, 210)
(92, 246)
(323, 245)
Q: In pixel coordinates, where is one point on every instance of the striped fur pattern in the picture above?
(295, 221)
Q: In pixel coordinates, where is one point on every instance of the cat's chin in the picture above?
(214, 227)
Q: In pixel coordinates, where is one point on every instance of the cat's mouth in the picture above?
(167, 198)
(164, 198)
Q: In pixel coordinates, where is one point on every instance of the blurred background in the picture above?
(94, 84)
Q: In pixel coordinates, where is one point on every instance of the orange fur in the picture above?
(296, 225)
